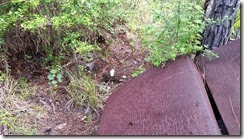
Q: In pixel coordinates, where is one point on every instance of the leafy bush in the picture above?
(63, 31)
(174, 31)
(64, 26)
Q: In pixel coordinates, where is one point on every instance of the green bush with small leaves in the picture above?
(61, 30)
(61, 26)
(175, 30)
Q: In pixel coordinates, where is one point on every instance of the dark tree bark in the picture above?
(224, 13)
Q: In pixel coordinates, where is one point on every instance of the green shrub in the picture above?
(64, 26)
(174, 31)
(61, 30)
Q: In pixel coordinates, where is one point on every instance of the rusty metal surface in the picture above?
(168, 101)
(223, 78)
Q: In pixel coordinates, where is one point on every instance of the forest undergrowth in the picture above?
(61, 59)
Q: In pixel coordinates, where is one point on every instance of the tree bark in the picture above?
(224, 13)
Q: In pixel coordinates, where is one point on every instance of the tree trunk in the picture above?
(224, 13)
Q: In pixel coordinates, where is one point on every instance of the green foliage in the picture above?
(174, 31)
(64, 26)
(24, 130)
(72, 41)
(82, 91)
(198, 2)
(7, 119)
(49, 56)
(137, 72)
(237, 23)
(210, 54)
(54, 77)
(24, 89)
(236, 29)
(2, 76)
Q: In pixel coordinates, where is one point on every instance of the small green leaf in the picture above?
(198, 21)
(182, 49)
(59, 76)
(54, 82)
(53, 71)
(50, 77)
(59, 80)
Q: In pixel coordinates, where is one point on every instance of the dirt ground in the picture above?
(58, 118)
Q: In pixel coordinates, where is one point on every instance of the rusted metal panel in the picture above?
(161, 101)
(223, 78)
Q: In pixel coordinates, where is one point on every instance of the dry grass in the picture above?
(82, 91)
(18, 115)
